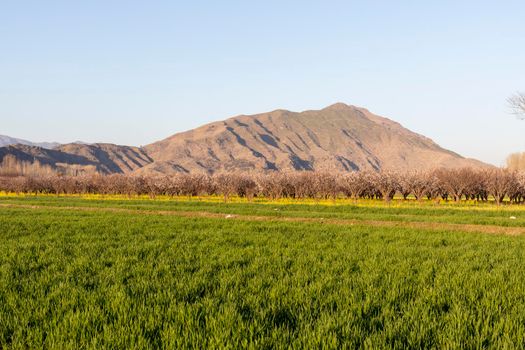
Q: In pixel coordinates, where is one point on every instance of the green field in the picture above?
(87, 273)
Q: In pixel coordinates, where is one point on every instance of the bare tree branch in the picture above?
(517, 104)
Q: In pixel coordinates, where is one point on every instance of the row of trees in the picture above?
(453, 184)
(12, 166)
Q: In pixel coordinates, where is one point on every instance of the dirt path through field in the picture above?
(434, 226)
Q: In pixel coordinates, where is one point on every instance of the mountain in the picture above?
(7, 140)
(77, 158)
(337, 138)
(109, 157)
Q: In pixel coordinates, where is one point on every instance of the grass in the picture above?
(75, 278)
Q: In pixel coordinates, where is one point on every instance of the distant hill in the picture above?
(7, 140)
(339, 138)
(77, 159)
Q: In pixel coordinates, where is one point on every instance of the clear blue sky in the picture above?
(132, 72)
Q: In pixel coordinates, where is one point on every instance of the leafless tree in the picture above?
(405, 183)
(500, 183)
(517, 104)
(517, 191)
(519, 195)
(455, 182)
(269, 187)
(298, 185)
(226, 185)
(355, 184)
(420, 184)
(387, 184)
(327, 185)
(246, 186)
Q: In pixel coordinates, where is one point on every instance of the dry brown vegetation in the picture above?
(455, 184)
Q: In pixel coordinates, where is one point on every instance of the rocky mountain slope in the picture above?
(337, 138)
(78, 158)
